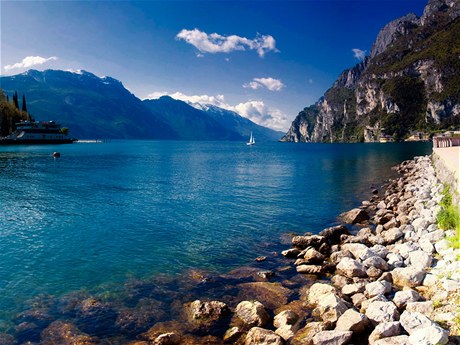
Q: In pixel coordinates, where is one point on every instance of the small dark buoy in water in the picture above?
(56, 154)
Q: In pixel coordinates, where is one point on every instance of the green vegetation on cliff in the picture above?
(409, 84)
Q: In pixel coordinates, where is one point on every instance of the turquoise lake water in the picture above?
(105, 212)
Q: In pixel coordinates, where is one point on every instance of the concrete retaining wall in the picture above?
(446, 162)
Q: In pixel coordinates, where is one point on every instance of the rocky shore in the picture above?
(387, 275)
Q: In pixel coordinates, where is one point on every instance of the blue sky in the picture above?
(265, 59)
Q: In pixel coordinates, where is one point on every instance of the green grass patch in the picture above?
(449, 217)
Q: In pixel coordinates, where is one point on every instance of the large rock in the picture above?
(354, 216)
(412, 321)
(380, 287)
(261, 336)
(351, 289)
(429, 335)
(252, 313)
(403, 297)
(61, 333)
(332, 337)
(377, 262)
(420, 259)
(351, 268)
(317, 291)
(353, 321)
(308, 241)
(425, 307)
(408, 276)
(309, 269)
(379, 311)
(385, 330)
(272, 295)
(291, 253)
(359, 250)
(332, 234)
(205, 317)
(312, 256)
(286, 317)
(330, 308)
(286, 324)
(392, 235)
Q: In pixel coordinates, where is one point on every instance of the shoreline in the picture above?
(218, 309)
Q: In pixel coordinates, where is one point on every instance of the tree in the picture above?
(15, 100)
(24, 105)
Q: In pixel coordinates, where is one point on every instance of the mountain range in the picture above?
(94, 107)
(409, 83)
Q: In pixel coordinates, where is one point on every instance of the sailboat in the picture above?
(251, 141)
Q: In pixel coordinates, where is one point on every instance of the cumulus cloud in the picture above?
(256, 111)
(359, 54)
(30, 61)
(215, 43)
(269, 83)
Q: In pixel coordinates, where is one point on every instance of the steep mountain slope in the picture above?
(410, 81)
(90, 106)
(94, 107)
(188, 122)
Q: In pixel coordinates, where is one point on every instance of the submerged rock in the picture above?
(94, 316)
(62, 333)
(271, 295)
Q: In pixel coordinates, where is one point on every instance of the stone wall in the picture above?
(446, 165)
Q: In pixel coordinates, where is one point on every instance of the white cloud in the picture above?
(215, 43)
(269, 83)
(359, 54)
(30, 61)
(256, 111)
(218, 100)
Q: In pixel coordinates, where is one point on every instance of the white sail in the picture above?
(251, 141)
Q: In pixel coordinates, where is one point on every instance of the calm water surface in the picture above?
(103, 213)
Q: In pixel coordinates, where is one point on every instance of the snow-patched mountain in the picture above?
(101, 107)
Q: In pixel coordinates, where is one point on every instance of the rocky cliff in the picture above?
(410, 82)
